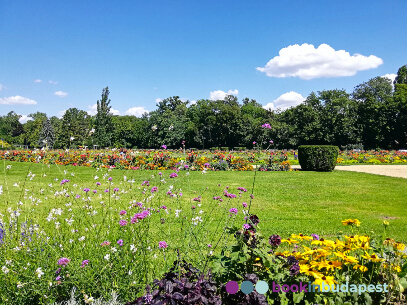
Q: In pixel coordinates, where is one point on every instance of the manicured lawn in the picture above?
(286, 202)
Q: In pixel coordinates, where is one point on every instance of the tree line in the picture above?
(373, 116)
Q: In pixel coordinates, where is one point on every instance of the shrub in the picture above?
(318, 157)
(224, 148)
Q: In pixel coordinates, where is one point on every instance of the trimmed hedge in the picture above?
(320, 158)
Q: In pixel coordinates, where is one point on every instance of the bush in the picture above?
(224, 148)
(318, 157)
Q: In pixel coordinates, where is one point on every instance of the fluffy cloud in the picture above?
(53, 82)
(93, 109)
(392, 77)
(37, 81)
(158, 100)
(16, 100)
(307, 62)
(24, 118)
(220, 95)
(136, 111)
(61, 93)
(286, 100)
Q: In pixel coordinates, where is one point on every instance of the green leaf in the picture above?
(297, 297)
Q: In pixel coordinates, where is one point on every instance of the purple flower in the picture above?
(123, 212)
(233, 211)
(110, 179)
(106, 190)
(147, 183)
(63, 261)
(254, 142)
(266, 125)
(122, 222)
(254, 219)
(209, 245)
(207, 165)
(244, 204)
(64, 181)
(186, 166)
(252, 196)
(173, 175)
(58, 271)
(116, 189)
(160, 173)
(154, 189)
(162, 245)
(98, 183)
(77, 196)
(246, 226)
(164, 146)
(86, 190)
(84, 263)
(271, 142)
(294, 269)
(58, 278)
(275, 240)
(242, 189)
(95, 191)
(315, 236)
(120, 242)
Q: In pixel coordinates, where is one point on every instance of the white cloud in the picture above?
(136, 111)
(61, 113)
(286, 100)
(24, 118)
(193, 102)
(53, 82)
(37, 81)
(220, 95)
(392, 77)
(1, 87)
(158, 100)
(306, 62)
(16, 100)
(93, 109)
(61, 93)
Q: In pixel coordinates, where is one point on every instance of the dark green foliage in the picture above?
(318, 157)
(103, 123)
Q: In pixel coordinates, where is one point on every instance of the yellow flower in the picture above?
(289, 241)
(389, 241)
(397, 269)
(351, 222)
(373, 257)
(360, 267)
(301, 237)
(326, 280)
(399, 246)
(351, 259)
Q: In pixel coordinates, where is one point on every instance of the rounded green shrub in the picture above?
(318, 157)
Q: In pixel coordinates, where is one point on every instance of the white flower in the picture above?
(96, 177)
(72, 138)
(1, 189)
(130, 272)
(39, 272)
(154, 128)
(171, 127)
(133, 248)
(82, 238)
(106, 257)
(8, 262)
(113, 249)
(19, 285)
(5, 269)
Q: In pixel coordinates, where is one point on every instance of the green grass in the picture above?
(286, 202)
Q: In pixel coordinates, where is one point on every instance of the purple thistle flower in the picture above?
(122, 222)
(86, 190)
(154, 189)
(63, 261)
(233, 211)
(110, 179)
(98, 183)
(106, 190)
(162, 245)
(173, 175)
(123, 212)
(246, 226)
(116, 189)
(95, 191)
(244, 204)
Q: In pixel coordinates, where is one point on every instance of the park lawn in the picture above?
(285, 202)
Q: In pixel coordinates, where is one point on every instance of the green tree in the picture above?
(103, 122)
(75, 128)
(32, 128)
(47, 135)
(401, 77)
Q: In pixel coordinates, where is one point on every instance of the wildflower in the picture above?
(84, 263)
(120, 242)
(98, 183)
(244, 204)
(386, 223)
(373, 257)
(5, 269)
(233, 211)
(107, 257)
(173, 175)
(94, 191)
(360, 267)
(123, 212)
(39, 272)
(154, 127)
(246, 226)
(271, 142)
(266, 126)
(164, 146)
(58, 278)
(154, 189)
(116, 189)
(254, 219)
(63, 261)
(315, 236)
(351, 222)
(325, 280)
(105, 243)
(86, 190)
(254, 142)
(275, 240)
(122, 222)
(162, 245)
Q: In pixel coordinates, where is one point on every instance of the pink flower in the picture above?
(122, 222)
(162, 245)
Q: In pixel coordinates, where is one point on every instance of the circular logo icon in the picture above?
(246, 287)
(232, 287)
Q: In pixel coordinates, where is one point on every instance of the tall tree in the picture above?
(103, 122)
(75, 128)
(401, 77)
(47, 135)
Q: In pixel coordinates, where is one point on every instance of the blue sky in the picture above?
(60, 54)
